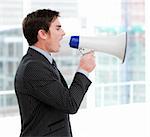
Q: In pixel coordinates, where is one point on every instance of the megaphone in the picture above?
(113, 45)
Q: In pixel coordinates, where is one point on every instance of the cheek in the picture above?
(57, 39)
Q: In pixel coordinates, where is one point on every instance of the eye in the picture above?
(57, 28)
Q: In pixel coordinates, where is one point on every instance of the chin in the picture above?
(57, 50)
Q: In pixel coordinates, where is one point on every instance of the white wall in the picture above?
(115, 121)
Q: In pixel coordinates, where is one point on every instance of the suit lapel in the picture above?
(63, 80)
(39, 56)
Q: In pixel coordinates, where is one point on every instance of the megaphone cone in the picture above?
(114, 45)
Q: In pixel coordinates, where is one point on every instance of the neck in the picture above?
(41, 46)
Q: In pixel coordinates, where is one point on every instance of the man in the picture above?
(44, 99)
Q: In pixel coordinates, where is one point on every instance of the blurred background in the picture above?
(120, 94)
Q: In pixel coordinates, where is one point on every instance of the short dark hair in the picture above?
(39, 19)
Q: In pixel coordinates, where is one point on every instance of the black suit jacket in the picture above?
(44, 99)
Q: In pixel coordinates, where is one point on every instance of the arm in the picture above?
(42, 83)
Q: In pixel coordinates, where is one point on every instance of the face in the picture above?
(54, 36)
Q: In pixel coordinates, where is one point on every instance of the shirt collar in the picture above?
(45, 53)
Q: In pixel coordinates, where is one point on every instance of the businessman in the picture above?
(45, 101)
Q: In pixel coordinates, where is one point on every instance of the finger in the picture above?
(92, 53)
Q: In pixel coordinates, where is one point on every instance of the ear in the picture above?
(42, 34)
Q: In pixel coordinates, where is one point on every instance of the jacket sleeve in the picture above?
(42, 83)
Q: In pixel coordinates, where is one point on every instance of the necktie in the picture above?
(55, 68)
(54, 64)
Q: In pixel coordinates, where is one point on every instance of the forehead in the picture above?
(55, 23)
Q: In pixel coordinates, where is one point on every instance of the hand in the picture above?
(87, 61)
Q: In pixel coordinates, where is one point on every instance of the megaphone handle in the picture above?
(84, 51)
